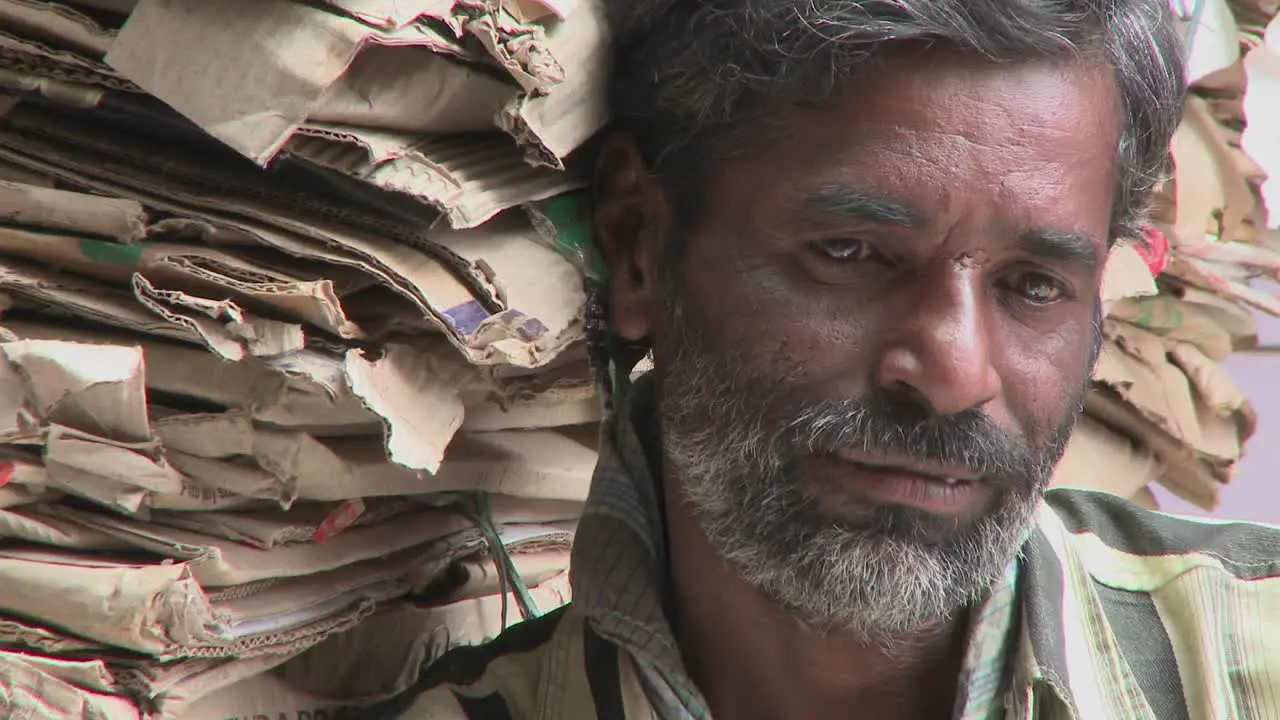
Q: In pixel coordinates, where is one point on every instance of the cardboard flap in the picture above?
(334, 69)
(62, 210)
(1098, 459)
(98, 389)
(263, 695)
(522, 49)
(468, 178)
(413, 90)
(58, 24)
(115, 474)
(1126, 274)
(1134, 364)
(416, 393)
(394, 14)
(384, 655)
(101, 303)
(33, 687)
(554, 123)
(19, 525)
(1208, 327)
(1185, 474)
(195, 55)
(207, 435)
(217, 562)
(1213, 198)
(145, 608)
(18, 634)
(546, 464)
(553, 398)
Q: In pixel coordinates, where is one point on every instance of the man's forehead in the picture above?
(932, 159)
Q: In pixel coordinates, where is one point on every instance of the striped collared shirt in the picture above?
(1112, 612)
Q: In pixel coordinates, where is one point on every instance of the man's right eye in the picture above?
(846, 250)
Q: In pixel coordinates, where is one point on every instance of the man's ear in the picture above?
(632, 222)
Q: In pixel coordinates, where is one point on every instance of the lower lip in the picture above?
(903, 488)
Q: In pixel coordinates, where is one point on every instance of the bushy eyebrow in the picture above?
(844, 202)
(849, 203)
(1072, 248)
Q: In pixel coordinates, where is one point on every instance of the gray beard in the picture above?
(882, 577)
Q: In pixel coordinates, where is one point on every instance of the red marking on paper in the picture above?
(6, 473)
(1155, 251)
(338, 520)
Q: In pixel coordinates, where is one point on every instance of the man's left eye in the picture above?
(1039, 289)
(845, 250)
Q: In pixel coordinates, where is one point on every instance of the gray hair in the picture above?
(691, 77)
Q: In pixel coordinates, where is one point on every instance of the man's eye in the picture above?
(1038, 289)
(846, 250)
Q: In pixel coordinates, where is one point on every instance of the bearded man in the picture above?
(864, 240)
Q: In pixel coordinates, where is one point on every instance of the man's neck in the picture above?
(753, 661)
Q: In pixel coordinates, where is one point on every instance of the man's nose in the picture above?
(939, 347)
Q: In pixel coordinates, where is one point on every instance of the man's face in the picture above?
(878, 334)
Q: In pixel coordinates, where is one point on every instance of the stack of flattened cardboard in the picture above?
(289, 351)
(1162, 410)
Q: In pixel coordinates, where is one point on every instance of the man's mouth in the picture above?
(906, 466)
(933, 487)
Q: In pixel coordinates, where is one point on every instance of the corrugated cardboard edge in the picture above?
(470, 179)
(63, 23)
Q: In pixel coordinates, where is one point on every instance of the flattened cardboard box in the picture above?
(99, 390)
(1213, 197)
(554, 398)
(395, 14)
(57, 23)
(123, 221)
(1185, 474)
(20, 524)
(216, 562)
(143, 607)
(26, 53)
(169, 691)
(198, 271)
(30, 688)
(553, 123)
(268, 395)
(384, 655)
(540, 290)
(412, 90)
(1215, 325)
(160, 610)
(1099, 459)
(271, 527)
(436, 288)
(538, 464)
(261, 697)
(89, 412)
(84, 298)
(468, 178)
(207, 49)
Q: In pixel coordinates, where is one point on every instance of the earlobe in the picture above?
(630, 219)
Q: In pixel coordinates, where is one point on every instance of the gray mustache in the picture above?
(880, 423)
